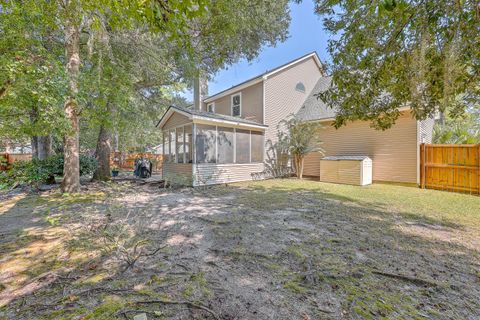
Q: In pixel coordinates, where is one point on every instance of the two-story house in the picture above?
(228, 136)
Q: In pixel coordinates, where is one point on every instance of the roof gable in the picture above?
(266, 75)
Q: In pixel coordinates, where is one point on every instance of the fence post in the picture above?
(478, 168)
(422, 165)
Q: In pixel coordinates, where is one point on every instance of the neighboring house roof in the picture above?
(314, 108)
(204, 115)
(265, 75)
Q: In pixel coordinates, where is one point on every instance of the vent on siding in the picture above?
(300, 87)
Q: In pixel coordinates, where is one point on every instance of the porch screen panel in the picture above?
(179, 145)
(243, 146)
(225, 145)
(188, 144)
(205, 144)
(172, 148)
(257, 146)
(166, 146)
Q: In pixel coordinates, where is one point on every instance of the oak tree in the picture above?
(389, 54)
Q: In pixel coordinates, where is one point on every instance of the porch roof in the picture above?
(209, 117)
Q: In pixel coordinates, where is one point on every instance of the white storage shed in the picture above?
(354, 170)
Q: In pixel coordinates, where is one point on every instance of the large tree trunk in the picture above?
(34, 142)
(44, 147)
(71, 170)
(103, 155)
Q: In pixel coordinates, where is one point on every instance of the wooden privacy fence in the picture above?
(6, 159)
(450, 167)
(127, 160)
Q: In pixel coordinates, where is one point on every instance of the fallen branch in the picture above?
(58, 302)
(131, 259)
(187, 303)
(416, 281)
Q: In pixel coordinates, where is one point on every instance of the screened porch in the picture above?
(211, 144)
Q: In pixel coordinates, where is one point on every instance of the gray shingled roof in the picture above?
(314, 108)
(215, 116)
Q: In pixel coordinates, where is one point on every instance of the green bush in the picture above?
(3, 161)
(88, 164)
(29, 172)
(37, 171)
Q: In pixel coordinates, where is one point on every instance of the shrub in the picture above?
(29, 172)
(37, 171)
(88, 164)
(3, 161)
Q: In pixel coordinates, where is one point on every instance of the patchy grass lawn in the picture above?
(277, 249)
(427, 205)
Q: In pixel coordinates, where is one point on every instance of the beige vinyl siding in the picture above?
(175, 120)
(393, 151)
(311, 166)
(179, 172)
(206, 174)
(252, 103)
(281, 98)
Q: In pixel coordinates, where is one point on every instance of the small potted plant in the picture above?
(115, 171)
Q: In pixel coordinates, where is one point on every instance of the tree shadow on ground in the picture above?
(241, 252)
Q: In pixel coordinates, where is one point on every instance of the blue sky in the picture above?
(306, 35)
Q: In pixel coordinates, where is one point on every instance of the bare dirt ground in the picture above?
(229, 252)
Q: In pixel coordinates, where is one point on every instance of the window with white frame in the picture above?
(211, 107)
(237, 105)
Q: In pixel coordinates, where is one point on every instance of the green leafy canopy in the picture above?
(389, 54)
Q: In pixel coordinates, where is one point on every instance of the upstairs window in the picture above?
(300, 87)
(237, 105)
(211, 107)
